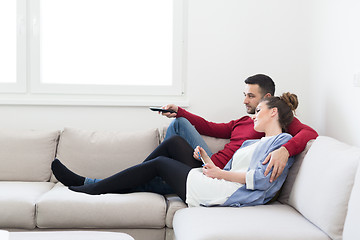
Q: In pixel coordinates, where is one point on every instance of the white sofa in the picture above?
(312, 205)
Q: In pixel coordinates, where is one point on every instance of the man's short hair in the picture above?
(265, 83)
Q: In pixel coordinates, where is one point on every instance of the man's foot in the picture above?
(65, 176)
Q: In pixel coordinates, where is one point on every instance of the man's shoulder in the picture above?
(295, 121)
(245, 119)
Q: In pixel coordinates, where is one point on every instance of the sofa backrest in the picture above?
(215, 144)
(26, 155)
(290, 179)
(99, 154)
(323, 185)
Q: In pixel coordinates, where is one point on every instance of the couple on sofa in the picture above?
(250, 170)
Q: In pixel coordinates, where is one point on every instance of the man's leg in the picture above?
(182, 127)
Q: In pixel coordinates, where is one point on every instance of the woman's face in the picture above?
(262, 117)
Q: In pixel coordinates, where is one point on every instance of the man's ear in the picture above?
(267, 95)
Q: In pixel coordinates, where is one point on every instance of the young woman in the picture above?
(241, 183)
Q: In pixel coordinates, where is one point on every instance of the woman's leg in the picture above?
(65, 176)
(174, 148)
(171, 171)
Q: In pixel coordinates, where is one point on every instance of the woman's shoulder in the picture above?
(284, 136)
(280, 138)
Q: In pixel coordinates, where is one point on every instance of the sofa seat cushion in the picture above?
(70, 235)
(17, 203)
(274, 221)
(63, 208)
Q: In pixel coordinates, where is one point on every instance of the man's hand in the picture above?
(278, 160)
(170, 107)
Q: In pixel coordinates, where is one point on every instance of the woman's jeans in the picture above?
(181, 127)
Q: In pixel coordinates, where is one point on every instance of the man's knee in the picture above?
(181, 127)
(179, 123)
(182, 120)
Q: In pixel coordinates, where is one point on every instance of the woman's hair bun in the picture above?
(290, 99)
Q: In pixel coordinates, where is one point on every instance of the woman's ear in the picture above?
(274, 111)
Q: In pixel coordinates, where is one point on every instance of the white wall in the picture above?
(334, 60)
(229, 40)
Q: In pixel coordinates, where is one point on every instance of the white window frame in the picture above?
(30, 90)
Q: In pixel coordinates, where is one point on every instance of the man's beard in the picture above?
(250, 111)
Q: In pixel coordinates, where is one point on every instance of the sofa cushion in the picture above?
(17, 203)
(174, 203)
(323, 185)
(351, 227)
(27, 155)
(99, 154)
(215, 144)
(63, 208)
(275, 221)
(69, 235)
(290, 179)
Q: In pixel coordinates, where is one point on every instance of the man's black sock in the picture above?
(65, 176)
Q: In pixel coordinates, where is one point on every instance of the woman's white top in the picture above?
(203, 190)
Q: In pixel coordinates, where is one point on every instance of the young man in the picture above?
(191, 127)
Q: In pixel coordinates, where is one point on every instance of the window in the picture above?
(12, 46)
(111, 50)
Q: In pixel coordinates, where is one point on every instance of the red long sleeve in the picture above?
(301, 135)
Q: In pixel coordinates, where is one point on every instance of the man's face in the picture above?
(252, 97)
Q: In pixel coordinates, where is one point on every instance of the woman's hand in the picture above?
(211, 170)
(199, 150)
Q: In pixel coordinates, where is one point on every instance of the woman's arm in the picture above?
(211, 170)
(259, 173)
